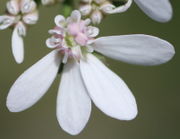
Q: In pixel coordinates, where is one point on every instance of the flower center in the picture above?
(72, 36)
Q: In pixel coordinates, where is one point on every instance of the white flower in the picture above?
(20, 14)
(96, 9)
(159, 10)
(84, 77)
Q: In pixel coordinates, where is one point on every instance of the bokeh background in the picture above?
(157, 89)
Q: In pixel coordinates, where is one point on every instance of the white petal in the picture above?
(53, 42)
(13, 7)
(33, 83)
(96, 17)
(21, 29)
(135, 49)
(85, 9)
(109, 93)
(111, 9)
(31, 18)
(159, 10)
(73, 103)
(27, 6)
(76, 16)
(55, 31)
(92, 31)
(17, 45)
(60, 21)
(6, 21)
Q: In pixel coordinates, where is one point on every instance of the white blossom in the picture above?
(97, 9)
(159, 10)
(20, 14)
(85, 78)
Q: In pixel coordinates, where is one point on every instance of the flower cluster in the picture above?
(75, 43)
(20, 13)
(96, 9)
(72, 36)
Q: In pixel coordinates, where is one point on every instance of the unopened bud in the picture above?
(96, 17)
(85, 9)
(21, 29)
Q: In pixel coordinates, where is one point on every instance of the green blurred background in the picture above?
(157, 89)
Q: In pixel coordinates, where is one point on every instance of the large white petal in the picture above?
(17, 46)
(159, 10)
(109, 93)
(73, 103)
(135, 49)
(33, 83)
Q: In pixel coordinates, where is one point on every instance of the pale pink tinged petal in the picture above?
(81, 39)
(74, 29)
(111, 9)
(159, 10)
(60, 21)
(31, 18)
(6, 21)
(109, 92)
(17, 46)
(73, 103)
(55, 32)
(135, 49)
(33, 83)
(53, 42)
(13, 7)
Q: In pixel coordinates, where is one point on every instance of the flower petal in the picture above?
(159, 10)
(27, 6)
(6, 21)
(109, 93)
(111, 9)
(135, 49)
(33, 83)
(13, 7)
(73, 103)
(17, 45)
(31, 18)
(92, 31)
(53, 42)
(60, 21)
(75, 16)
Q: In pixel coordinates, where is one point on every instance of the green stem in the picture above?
(68, 7)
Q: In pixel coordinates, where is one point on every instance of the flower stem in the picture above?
(68, 7)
